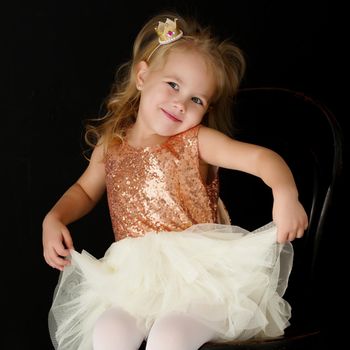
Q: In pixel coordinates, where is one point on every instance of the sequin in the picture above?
(158, 188)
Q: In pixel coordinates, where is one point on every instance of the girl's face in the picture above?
(175, 96)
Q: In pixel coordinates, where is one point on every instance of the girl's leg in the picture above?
(116, 330)
(178, 332)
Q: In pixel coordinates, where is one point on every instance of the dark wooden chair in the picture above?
(307, 135)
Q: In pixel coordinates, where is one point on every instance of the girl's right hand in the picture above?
(57, 242)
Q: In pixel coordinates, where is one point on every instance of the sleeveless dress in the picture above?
(172, 253)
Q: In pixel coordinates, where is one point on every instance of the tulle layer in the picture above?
(228, 278)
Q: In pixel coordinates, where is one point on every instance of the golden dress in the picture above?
(173, 253)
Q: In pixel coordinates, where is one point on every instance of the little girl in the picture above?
(178, 274)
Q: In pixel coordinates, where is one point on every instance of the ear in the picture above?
(140, 74)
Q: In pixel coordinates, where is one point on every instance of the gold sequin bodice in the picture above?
(158, 188)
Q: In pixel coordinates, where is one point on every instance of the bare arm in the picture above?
(76, 202)
(288, 214)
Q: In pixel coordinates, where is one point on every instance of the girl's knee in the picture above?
(178, 332)
(112, 321)
(170, 338)
(116, 330)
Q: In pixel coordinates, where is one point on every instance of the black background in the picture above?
(59, 62)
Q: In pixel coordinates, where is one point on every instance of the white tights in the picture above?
(117, 330)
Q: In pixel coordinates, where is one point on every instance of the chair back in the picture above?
(307, 135)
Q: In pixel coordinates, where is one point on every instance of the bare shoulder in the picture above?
(93, 178)
(206, 134)
(218, 149)
(209, 138)
(210, 141)
(98, 153)
(96, 165)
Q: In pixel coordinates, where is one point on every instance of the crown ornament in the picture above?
(168, 31)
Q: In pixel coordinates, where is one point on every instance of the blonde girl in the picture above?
(178, 274)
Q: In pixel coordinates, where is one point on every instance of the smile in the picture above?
(171, 117)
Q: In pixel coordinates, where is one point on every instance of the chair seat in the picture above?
(292, 339)
(307, 340)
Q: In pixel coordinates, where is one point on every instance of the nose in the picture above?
(179, 105)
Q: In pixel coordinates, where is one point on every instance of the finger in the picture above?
(300, 233)
(67, 239)
(59, 263)
(54, 265)
(52, 259)
(291, 236)
(281, 237)
(62, 251)
(57, 259)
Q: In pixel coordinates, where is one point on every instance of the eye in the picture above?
(173, 85)
(197, 100)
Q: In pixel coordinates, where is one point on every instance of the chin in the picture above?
(169, 131)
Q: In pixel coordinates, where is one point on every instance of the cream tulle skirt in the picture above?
(230, 279)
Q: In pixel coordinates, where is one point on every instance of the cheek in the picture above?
(198, 113)
(196, 118)
(150, 97)
(159, 95)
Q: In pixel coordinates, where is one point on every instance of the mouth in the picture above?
(171, 116)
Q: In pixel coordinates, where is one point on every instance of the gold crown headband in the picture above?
(167, 32)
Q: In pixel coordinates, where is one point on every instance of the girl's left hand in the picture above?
(290, 218)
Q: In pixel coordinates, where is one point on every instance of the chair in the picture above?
(306, 134)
